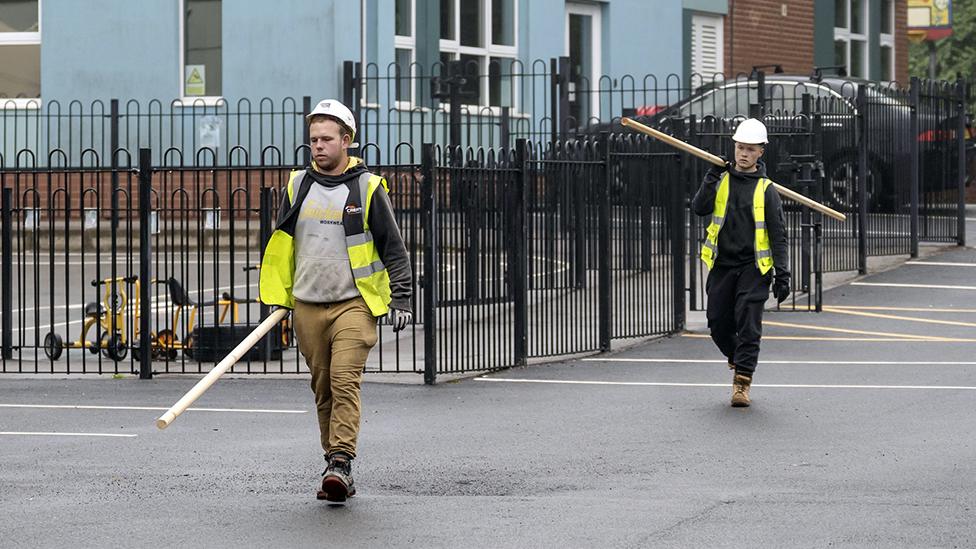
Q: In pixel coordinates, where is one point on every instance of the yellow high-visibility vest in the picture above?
(371, 276)
(709, 249)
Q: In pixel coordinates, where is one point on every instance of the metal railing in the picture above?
(541, 248)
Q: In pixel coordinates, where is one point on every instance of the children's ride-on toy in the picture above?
(108, 315)
(166, 343)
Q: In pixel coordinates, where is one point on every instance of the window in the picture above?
(706, 46)
(405, 44)
(20, 53)
(887, 40)
(481, 34)
(850, 36)
(202, 65)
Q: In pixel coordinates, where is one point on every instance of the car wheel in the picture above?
(840, 181)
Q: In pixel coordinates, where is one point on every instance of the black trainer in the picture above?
(337, 483)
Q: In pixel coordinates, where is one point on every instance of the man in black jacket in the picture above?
(337, 258)
(745, 243)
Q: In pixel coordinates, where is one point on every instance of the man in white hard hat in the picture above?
(337, 259)
(745, 244)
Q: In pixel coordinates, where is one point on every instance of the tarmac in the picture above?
(860, 435)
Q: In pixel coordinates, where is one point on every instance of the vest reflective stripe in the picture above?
(371, 276)
(368, 270)
(358, 239)
(709, 249)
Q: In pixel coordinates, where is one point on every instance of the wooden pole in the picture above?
(221, 368)
(709, 157)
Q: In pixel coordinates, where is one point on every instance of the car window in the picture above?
(828, 101)
(726, 101)
(733, 99)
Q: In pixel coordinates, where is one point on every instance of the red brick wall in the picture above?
(757, 33)
(901, 42)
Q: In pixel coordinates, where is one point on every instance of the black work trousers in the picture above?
(736, 296)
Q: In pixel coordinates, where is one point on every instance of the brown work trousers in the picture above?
(335, 339)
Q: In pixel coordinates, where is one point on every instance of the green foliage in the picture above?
(954, 55)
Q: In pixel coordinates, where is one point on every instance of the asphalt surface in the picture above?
(861, 435)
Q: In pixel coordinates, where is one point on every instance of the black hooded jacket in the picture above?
(382, 223)
(736, 240)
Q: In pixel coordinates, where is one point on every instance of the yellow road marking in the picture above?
(903, 309)
(861, 339)
(860, 332)
(926, 286)
(898, 317)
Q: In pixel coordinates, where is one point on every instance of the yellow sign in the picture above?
(929, 14)
(195, 80)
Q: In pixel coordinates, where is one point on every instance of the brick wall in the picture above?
(901, 42)
(757, 33)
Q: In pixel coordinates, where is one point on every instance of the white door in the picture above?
(583, 47)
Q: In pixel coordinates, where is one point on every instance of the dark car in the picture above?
(718, 106)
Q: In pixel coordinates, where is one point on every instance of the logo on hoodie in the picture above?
(352, 209)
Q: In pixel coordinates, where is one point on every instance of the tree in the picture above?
(956, 54)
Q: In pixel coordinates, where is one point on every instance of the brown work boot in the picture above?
(337, 483)
(740, 391)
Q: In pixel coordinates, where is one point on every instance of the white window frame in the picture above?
(22, 39)
(193, 100)
(888, 40)
(595, 14)
(484, 53)
(846, 35)
(407, 43)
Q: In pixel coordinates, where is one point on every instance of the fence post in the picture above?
(145, 263)
(564, 98)
(862, 181)
(605, 294)
(761, 93)
(518, 258)
(804, 185)
(961, 142)
(429, 280)
(915, 100)
(265, 228)
(350, 85)
(693, 230)
(505, 127)
(307, 108)
(6, 275)
(554, 100)
(116, 190)
(677, 193)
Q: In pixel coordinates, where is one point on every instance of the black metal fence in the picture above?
(519, 253)
(537, 248)
(198, 133)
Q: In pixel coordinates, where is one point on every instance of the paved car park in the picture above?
(860, 435)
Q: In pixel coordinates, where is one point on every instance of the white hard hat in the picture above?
(335, 109)
(751, 131)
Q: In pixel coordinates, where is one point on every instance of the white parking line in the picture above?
(723, 385)
(927, 286)
(152, 408)
(54, 434)
(819, 362)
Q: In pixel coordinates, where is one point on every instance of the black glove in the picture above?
(781, 287)
(718, 170)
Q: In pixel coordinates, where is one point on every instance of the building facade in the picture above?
(195, 61)
(867, 37)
